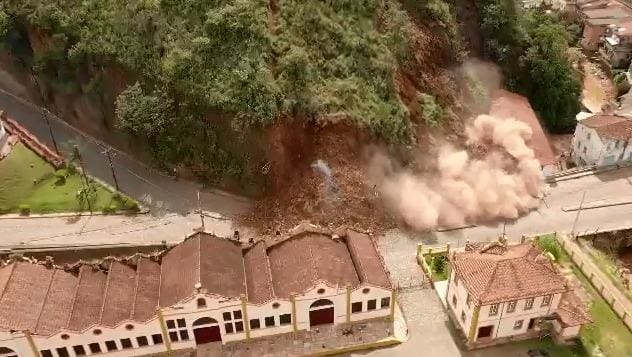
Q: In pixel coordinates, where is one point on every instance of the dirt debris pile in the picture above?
(503, 184)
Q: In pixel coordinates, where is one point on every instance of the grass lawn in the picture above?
(607, 264)
(607, 331)
(437, 274)
(26, 179)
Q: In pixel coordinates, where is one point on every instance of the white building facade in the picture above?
(498, 293)
(602, 140)
(92, 315)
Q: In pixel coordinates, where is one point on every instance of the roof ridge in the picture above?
(199, 261)
(131, 313)
(74, 297)
(492, 276)
(39, 316)
(243, 266)
(313, 264)
(160, 283)
(269, 270)
(382, 263)
(105, 292)
(355, 261)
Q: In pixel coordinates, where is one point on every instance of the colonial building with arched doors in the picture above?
(205, 290)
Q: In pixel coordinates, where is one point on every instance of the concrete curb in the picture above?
(72, 214)
(596, 204)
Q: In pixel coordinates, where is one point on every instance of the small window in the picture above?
(184, 335)
(356, 307)
(493, 310)
(468, 300)
(201, 303)
(528, 305)
(511, 306)
(228, 327)
(285, 319)
(517, 325)
(454, 300)
(255, 324)
(79, 350)
(366, 291)
(46, 353)
(97, 331)
(239, 326)
(142, 341)
(226, 316)
(173, 336)
(62, 352)
(276, 305)
(385, 302)
(462, 316)
(269, 321)
(371, 305)
(237, 314)
(65, 336)
(171, 324)
(111, 346)
(584, 150)
(546, 301)
(182, 323)
(126, 343)
(320, 291)
(95, 347)
(157, 339)
(129, 327)
(588, 136)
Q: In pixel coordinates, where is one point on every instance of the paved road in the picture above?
(155, 189)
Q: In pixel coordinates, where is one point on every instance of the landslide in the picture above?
(247, 94)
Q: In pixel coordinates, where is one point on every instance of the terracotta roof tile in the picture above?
(221, 267)
(23, 297)
(610, 126)
(520, 272)
(147, 290)
(572, 311)
(510, 105)
(300, 262)
(258, 275)
(368, 263)
(119, 297)
(86, 308)
(180, 272)
(58, 305)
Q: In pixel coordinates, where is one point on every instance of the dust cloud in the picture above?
(501, 184)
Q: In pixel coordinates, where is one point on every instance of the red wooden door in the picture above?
(321, 317)
(207, 334)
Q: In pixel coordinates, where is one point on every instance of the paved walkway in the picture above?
(155, 189)
(619, 302)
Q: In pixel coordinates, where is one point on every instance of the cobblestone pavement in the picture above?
(303, 342)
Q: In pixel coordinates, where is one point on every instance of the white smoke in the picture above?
(503, 184)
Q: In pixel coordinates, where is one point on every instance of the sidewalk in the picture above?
(615, 298)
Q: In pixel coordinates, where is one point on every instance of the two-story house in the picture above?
(206, 290)
(602, 139)
(499, 292)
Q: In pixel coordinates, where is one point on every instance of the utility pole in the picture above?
(86, 186)
(200, 210)
(107, 153)
(577, 216)
(50, 130)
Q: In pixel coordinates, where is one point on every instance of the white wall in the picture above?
(268, 310)
(338, 295)
(504, 321)
(373, 293)
(461, 306)
(599, 151)
(17, 342)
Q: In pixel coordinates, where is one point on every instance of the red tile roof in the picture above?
(572, 311)
(497, 273)
(610, 126)
(46, 299)
(510, 105)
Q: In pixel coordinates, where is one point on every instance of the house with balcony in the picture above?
(602, 139)
(499, 292)
(206, 290)
(616, 46)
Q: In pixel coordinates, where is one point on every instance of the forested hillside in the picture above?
(202, 81)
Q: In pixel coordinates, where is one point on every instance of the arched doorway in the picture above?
(321, 312)
(206, 330)
(7, 352)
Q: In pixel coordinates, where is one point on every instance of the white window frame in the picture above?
(528, 304)
(493, 309)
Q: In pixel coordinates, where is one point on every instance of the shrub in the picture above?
(131, 205)
(60, 176)
(432, 112)
(110, 209)
(439, 263)
(71, 169)
(24, 209)
(551, 245)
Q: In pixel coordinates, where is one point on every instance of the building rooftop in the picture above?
(610, 126)
(45, 298)
(510, 105)
(497, 272)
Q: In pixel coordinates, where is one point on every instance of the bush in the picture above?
(432, 112)
(551, 245)
(439, 264)
(131, 205)
(110, 209)
(24, 209)
(71, 169)
(60, 176)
